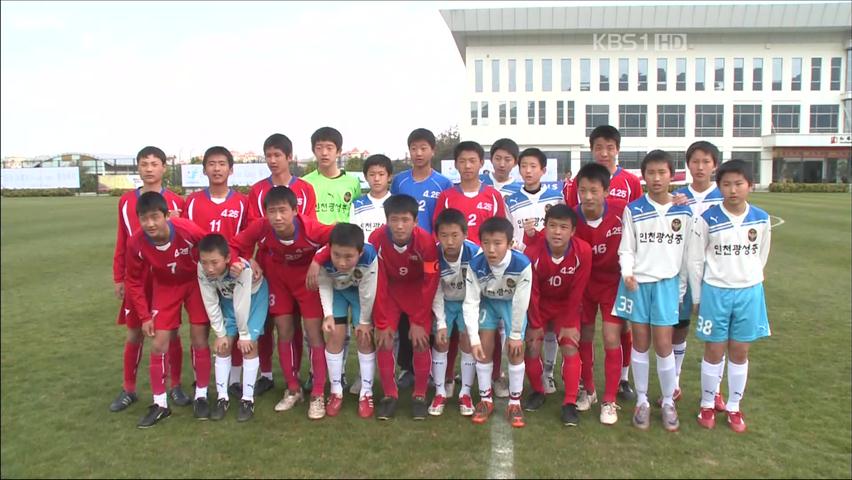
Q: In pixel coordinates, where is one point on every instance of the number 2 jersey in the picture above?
(226, 216)
(476, 206)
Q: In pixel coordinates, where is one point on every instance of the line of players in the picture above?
(510, 258)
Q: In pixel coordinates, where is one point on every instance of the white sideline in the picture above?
(502, 447)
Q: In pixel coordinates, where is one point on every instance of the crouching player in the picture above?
(236, 306)
(499, 282)
(726, 256)
(561, 265)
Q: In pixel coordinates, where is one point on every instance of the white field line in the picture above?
(779, 223)
(502, 460)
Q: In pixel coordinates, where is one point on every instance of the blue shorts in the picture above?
(454, 316)
(257, 313)
(737, 314)
(654, 303)
(492, 312)
(347, 299)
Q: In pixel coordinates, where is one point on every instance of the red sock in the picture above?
(497, 356)
(157, 371)
(422, 367)
(535, 370)
(285, 358)
(452, 353)
(320, 370)
(236, 356)
(298, 346)
(571, 377)
(587, 359)
(265, 347)
(175, 360)
(626, 348)
(201, 364)
(612, 373)
(386, 368)
(132, 356)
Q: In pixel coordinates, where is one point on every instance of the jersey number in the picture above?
(625, 305)
(599, 249)
(555, 281)
(705, 326)
(422, 205)
(403, 271)
(471, 220)
(172, 265)
(215, 225)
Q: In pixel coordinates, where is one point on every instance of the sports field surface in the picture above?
(61, 367)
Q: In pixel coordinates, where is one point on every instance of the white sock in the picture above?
(668, 378)
(234, 377)
(161, 400)
(222, 367)
(367, 365)
(679, 350)
(640, 376)
(721, 372)
(516, 383)
(468, 372)
(345, 352)
(335, 371)
(200, 392)
(626, 370)
(737, 376)
(483, 378)
(439, 371)
(266, 375)
(709, 382)
(250, 367)
(550, 348)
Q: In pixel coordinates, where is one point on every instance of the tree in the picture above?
(444, 145)
(196, 160)
(354, 164)
(401, 165)
(309, 167)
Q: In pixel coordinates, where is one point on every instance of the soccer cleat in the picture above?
(263, 385)
(308, 386)
(355, 389)
(437, 407)
(335, 402)
(626, 392)
(549, 384)
(719, 403)
(515, 414)
(236, 390)
(419, 408)
(534, 401)
(122, 401)
(585, 400)
(365, 406)
(288, 401)
(707, 417)
(450, 388)
(482, 412)
(609, 413)
(466, 406)
(642, 417)
(246, 411)
(500, 387)
(387, 408)
(675, 397)
(569, 415)
(219, 410)
(154, 415)
(316, 408)
(736, 422)
(201, 408)
(176, 395)
(670, 420)
(405, 380)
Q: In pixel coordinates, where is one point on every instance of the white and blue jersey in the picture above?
(449, 297)
(235, 305)
(523, 205)
(368, 213)
(426, 193)
(505, 188)
(499, 293)
(340, 291)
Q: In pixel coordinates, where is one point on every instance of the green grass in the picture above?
(61, 366)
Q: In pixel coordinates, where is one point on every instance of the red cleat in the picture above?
(719, 403)
(466, 406)
(365, 407)
(335, 402)
(707, 417)
(736, 422)
(483, 411)
(515, 414)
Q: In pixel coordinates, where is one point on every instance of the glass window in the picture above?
(530, 112)
(777, 73)
(560, 112)
(474, 113)
(502, 113)
(585, 74)
(546, 74)
(604, 74)
(824, 118)
(564, 112)
(484, 112)
(849, 69)
(757, 74)
(528, 74)
(680, 64)
(513, 113)
(633, 120)
(586, 157)
(796, 80)
(785, 118)
(623, 74)
(630, 159)
(512, 75)
(566, 75)
(642, 70)
(835, 73)
(751, 158)
(671, 120)
(816, 73)
(495, 75)
(542, 108)
(569, 112)
(747, 120)
(700, 73)
(719, 83)
(662, 66)
(477, 68)
(708, 120)
(596, 115)
(738, 73)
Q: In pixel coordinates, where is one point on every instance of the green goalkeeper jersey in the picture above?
(334, 195)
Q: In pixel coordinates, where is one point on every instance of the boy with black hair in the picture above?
(367, 210)
(605, 143)
(335, 189)
(504, 157)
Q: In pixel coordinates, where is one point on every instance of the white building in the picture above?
(770, 83)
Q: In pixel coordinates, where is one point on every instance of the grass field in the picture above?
(61, 366)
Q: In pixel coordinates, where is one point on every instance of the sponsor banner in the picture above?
(41, 177)
(244, 174)
(118, 182)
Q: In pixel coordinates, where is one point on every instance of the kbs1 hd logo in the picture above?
(660, 42)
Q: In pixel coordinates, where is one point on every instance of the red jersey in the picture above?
(309, 236)
(604, 240)
(558, 283)
(228, 217)
(305, 197)
(486, 204)
(128, 224)
(623, 185)
(174, 263)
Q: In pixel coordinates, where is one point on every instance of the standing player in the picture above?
(151, 162)
(652, 258)
(368, 210)
(335, 189)
(605, 142)
(166, 247)
(504, 157)
(727, 254)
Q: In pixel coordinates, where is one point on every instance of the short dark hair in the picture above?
(378, 160)
(327, 134)
(468, 146)
(150, 151)
(401, 203)
(735, 166)
(280, 194)
(347, 235)
(497, 225)
(451, 216)
(508, 145)
(279, 141)
(214, 242)
(560, 211)
(422, 134)
(607, 132)
(151, 202)
(658, 156)
(535, 153)
(218, 151)
(706, 147)
(593, 172)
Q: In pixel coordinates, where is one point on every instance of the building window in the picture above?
(751, 158)
(642, 70)
(631, 160)
(569, 112)
(564, 112)
(560, 112)
(623, 74)
(757, 75)
(566, 75)
(495, 76)
(585, 74)
(824, 118)
(586, 157)
(719, 83)
(777, 73)
(541, 112)
(680, 65)
(816, 73)
(530, 112)
(708, 120)
(700, 74)
(835, 73)
(477, 68)
(512, 75)
(662, 66)
(528, 74)
(747, 120)
(738, 74)
(474, 113)
(604, 74)
(596, 115)
(785, 118)
(796, 80)
(671, 120)
(546, 74)
(484, 110)
(502, 113)
(513, 113)
(633, 120)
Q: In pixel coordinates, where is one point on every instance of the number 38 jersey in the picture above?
(224, 216)
(603, 236)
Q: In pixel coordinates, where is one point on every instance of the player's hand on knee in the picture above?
(245, 346)
(441, 339)
(419, 338)
(478, 353)
(364, 333)
(312, 278)
(516, 347)
(328, 324)
(222, 345)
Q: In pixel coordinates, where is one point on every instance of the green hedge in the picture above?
(789, 187)
(38, 192)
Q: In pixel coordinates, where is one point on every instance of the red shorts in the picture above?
(127, 314)
(387, 309)
(287, 292)
(167, 300)
(599, 296)
(552, 315)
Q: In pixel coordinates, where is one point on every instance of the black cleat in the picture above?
(419, 408)
(219, 410)
(262, 385)
(626, 392)
(308, 386)
(201, 409)
(176, 395)
(246, 411)
(534, 401)
(122, 401)
(235, 390)
(154, 415)
(386, 408)
(569, 415)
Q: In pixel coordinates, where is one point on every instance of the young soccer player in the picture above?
(561, 264)
(653, 278)
(165, 247)
(151, 163)
(499, 282)
(368, 210)
(504, 157)
(236, 302)
(334, 188)
(605, 142)
(727, 254)
(287, 243)
(455, 252)
(408, 278)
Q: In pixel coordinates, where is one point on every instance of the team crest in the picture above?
(510, 283)
(752, 235)
(347, 196)
(357, 274)
(676, 225)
